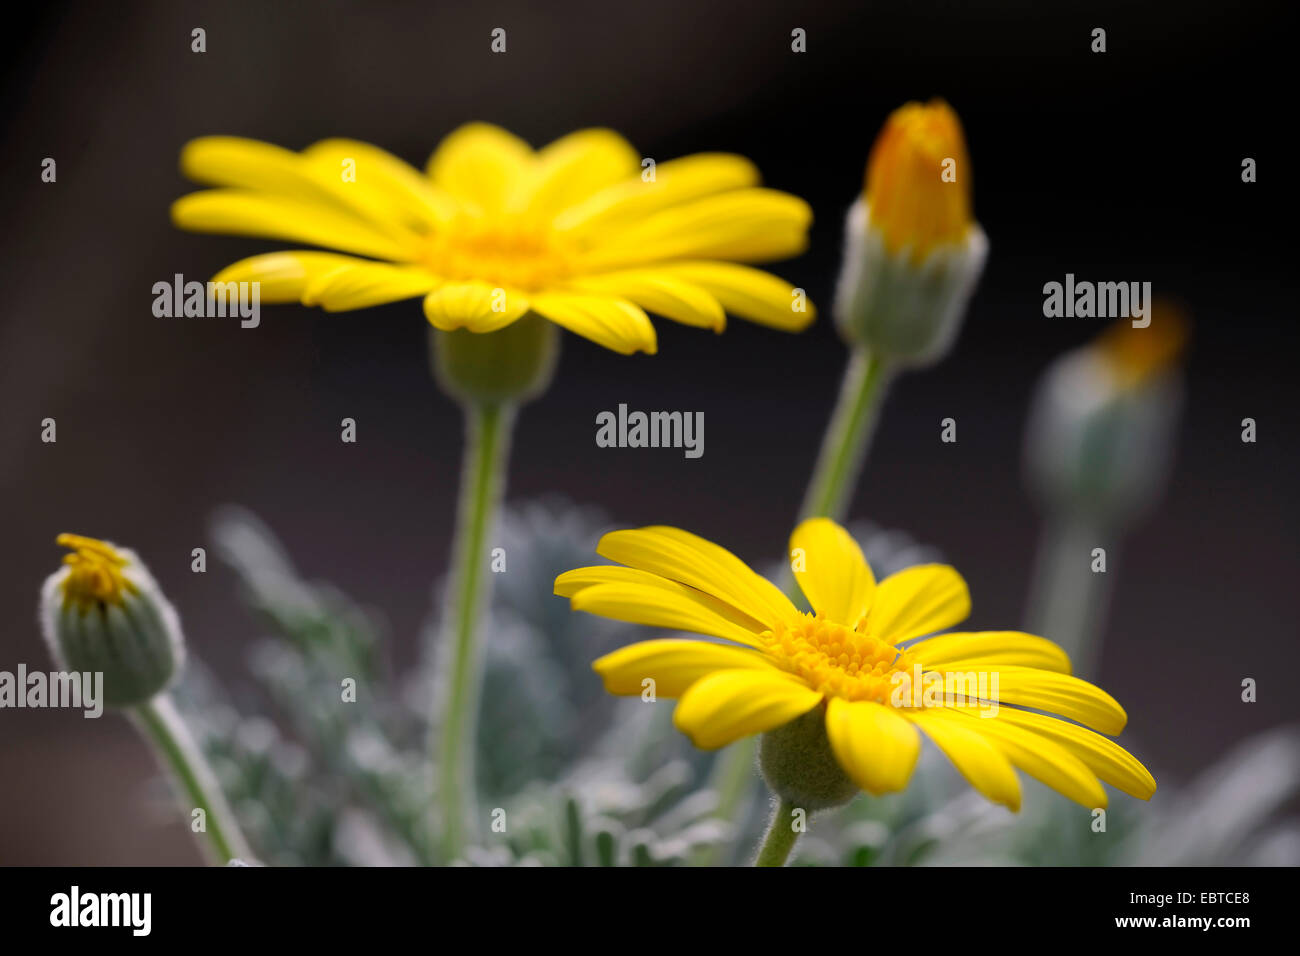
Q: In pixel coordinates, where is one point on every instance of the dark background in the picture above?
(1117, 166)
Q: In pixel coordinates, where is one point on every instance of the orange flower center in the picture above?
(836, 660)
(507, 251)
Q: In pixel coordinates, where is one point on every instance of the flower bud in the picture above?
(103, 612)
(1100, 434)
(913, 251)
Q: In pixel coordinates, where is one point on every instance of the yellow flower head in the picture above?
(855, 661)
(918, 187)
(95, 575)
(579, 232)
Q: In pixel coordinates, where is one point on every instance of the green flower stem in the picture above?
(844, 447)
(843, 452)
(488, 426)
(1067, 600)
(163, 727)
(780, 839)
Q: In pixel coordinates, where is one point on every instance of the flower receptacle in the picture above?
(907, 312)
(798, 765)
(511, 365)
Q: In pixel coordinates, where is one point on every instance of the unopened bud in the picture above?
(1100, 435)
(913, 251)
(103, 612)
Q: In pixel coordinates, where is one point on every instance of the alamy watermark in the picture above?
(80, 690)
(1098, 300)
(75, 908)
(976, 689)
(210, 300)
(651, 430)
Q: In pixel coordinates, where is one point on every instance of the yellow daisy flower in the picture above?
(851, 665)
(577, 232)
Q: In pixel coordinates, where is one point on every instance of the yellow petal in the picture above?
(691, 560)
(248, 164)
(571, 582)
(835, 578)
(672, 298)
(574, 167)
(749, 293)
(727, 705)
(673, 665)
(240, 213)
(992, 647)
(1039, 757)
(407, 193)
(359, 285)
(746, 225)
(1107, 759)
(1042, 690)
(982, 764)
(244, 163)
(482, 165)
(662, 604)
(614, 323)
(283, 276)
(919, 600)
(876, 747)
(675, 181)
(477, 306)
